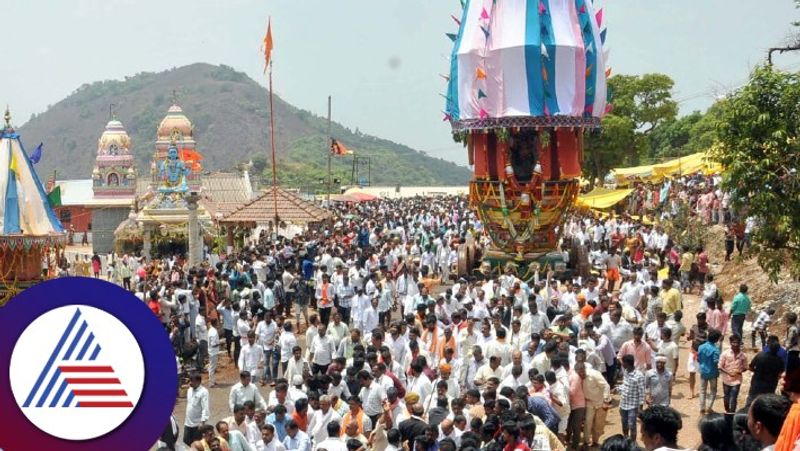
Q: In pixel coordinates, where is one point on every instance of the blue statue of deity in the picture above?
(173, 173)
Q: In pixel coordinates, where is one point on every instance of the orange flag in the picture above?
(268, 46)
(338, 148)
(480, 74)
(190, 155)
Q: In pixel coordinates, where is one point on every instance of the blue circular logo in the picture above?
(89, 368)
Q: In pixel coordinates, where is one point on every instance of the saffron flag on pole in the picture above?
(268, 46)
(338, 148)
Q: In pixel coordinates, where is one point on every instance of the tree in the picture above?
(606, 147)
(641, 103)
(646, 99)
(760, 149)
(671, 139)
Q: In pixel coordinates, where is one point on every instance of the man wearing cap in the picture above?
(658, 383)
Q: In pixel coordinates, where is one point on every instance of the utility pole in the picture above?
(329, 150)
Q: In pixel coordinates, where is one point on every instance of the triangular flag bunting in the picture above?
(485, 31)
(603, 36)
(544, 30)
(446, 77)
(481, 94)
(463, 4)
(483, 114)
(452, 36)
(544, 74)
(446, 117)
(583, 9)
(590, 90)
(608, 72)
(599, 17)
(590, 47)
(544, 52)
(484, 14)
(589, 70)
(546, 110)
(542, 8)
(456, 20)
(480, 74)
(589, 108)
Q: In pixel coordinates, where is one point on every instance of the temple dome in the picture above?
(175, 121)
(114, 140)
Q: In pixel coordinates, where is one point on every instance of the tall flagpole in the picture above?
(272, 138)
(330, 150)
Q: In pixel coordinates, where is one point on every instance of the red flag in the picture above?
(268, 46)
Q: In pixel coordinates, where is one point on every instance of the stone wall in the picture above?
(104, 222)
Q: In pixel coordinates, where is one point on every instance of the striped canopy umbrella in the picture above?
(527, 63)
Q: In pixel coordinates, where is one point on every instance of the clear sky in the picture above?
(380, 59)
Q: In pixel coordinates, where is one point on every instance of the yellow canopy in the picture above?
(689, 164)
(602, 198)
(622, 174)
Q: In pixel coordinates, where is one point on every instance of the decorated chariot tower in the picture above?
(526, 79)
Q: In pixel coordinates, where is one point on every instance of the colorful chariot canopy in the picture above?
(528, 63)
(24, 207)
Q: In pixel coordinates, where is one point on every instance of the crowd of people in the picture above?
(362, 336)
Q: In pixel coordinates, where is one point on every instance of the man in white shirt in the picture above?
(201, 331)
(322, 350)
(239, 422)
(296, 440)
(332, 442)
(213, 352)
(196, 409)
(320, 418)
(251, 358)
(269, 441)
(372, 395)
(418, 382)
(266, 330)
(243, 391)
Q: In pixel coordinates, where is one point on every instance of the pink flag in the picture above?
(542, 8)
(599, 17)
(456, 19)
(446, 117)
(583, 9)
(484, 14)
(609, 108)
(483, 114)
(546, 110)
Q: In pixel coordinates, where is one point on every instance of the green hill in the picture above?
(230, 114)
